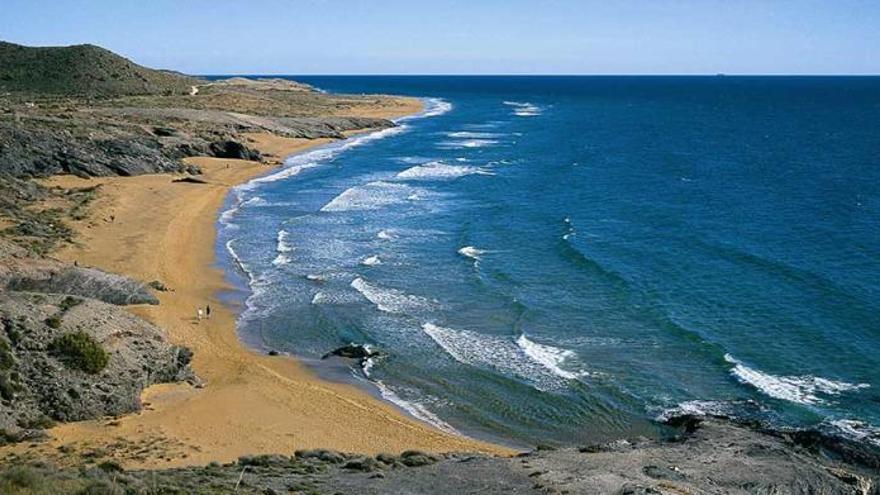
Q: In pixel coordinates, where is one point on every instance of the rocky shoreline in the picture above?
(709, 456)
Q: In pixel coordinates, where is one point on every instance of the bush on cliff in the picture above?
(80, 351)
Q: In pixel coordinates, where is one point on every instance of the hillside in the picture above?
(82, 70)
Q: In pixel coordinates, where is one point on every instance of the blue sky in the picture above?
(464, 37)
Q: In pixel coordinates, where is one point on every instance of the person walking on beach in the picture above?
(208, 311)
(199, 314)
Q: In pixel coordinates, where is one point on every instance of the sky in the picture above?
(464, 36)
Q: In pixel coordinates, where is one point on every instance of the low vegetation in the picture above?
(80, 351)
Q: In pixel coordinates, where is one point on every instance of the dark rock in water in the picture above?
(234, 149)
(353, 351)
(273, 352)
(39, 386)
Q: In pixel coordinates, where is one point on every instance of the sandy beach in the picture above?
(151, 228)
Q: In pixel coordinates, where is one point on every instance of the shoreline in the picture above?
(251, 403)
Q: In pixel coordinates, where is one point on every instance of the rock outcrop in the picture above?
(41, 382)
(55, 277)
(717, 457)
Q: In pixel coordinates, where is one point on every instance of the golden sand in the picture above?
(251, 403)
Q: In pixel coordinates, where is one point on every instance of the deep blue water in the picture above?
(567, 258)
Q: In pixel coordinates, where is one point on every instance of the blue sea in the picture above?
(569, 259)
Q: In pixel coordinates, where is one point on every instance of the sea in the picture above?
(562, 260)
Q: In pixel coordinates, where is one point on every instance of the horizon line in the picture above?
(634, 74)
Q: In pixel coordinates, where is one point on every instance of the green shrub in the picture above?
(54, 321)
(70, 302)
(7, 359)
(80, 351)
(21, 478)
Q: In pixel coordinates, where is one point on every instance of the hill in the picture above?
(83, 70)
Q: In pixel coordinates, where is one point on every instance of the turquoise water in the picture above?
(566, 259)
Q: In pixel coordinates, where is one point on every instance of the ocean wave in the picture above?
(433, 108)
(467, 144)
(474, 135)
(548, 356)
(853, 429)
(335, 297)
(281, 260)
(471, 252)
(527, 362)
(297, 163)
(742, 409)
(804, 389)
(385, 235)
(440, 170)
(417, 410)
(390, 300)
(372, 196)
(524, 109)
(371, 261)
(569, 229)
(281, 244)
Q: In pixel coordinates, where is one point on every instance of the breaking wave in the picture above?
(372, 196)
(417, 410)
(471, 252)
(371, 261)
(474, 135)
(534, 363)
(440, 170)
(390, 300)
(524, 109)
(281, 242)
(467, 143)
(854, 430)
(805, 389)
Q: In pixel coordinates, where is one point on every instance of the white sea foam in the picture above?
(282, 246)
(371, 261)
(371, 196)
(440, 170)
(417, 410)
(471, 252)
(281, 260)
(855, 430)
(474, 135)
(298, 163)
(803, 389)
(333, 297)
(315, 278)
(538, 366)
(385, 235)
(433, 108)
(390, 300)
(708, 408)
(467, 143)
(548, 356)
(524, 109)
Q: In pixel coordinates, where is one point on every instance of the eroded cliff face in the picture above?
(42, 380)
(69, 350)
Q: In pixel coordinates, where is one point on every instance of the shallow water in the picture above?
(565, 259)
